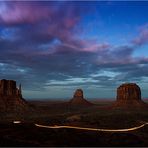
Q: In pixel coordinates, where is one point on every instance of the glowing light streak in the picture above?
(93, 129)
(16, 122)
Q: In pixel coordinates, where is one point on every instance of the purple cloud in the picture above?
(48, 22)
(18, 13)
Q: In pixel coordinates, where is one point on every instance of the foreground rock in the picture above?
(129, 95)
(78, 99)
(11, 99)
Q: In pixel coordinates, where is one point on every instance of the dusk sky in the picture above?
(55, 47)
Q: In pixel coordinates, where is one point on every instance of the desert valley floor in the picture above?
(52, 113)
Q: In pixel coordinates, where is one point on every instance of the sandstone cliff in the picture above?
(11, 97)
(129, 95)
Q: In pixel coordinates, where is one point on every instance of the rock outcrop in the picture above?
(8, 88)
(129, 95)
(78, 99)
(11, 97)
(128, 91)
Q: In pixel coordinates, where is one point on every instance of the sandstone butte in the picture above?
(129, 95)
(78, 99)
(11, 97)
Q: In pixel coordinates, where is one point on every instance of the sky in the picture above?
(54, 47)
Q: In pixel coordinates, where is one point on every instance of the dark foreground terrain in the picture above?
(59, 113)
(29, 135)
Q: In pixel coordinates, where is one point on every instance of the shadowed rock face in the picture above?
(129, 94)
(78, 98)
(11, 97)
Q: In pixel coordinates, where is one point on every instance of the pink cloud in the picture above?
(21, 12)
(58, 22)
(96, 47)
(69, 22)
(143, 36)
(30, 12)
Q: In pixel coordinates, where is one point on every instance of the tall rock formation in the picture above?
(78, 99)
(129, 95)
(11, 97)
(8, 88)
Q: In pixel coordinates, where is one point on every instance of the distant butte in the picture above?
(78, 99)
(11, 97)
(129, 95)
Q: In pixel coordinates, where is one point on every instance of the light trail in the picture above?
(93, 129)
(88, 129)
(16, 122)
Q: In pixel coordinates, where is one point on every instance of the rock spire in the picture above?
(78, 98)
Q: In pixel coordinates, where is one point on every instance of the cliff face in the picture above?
(129, 95)
(78, 98)
(11, 97)
(8, 88)
(130, 91)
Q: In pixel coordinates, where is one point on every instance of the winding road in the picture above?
(88, 129)
(94, 129)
